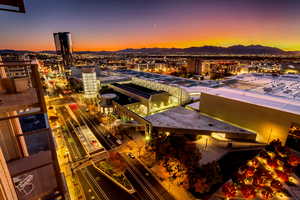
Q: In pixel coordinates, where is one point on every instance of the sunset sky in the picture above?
(119, 24)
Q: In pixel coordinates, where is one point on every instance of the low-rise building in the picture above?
(270, 117)
(150, 100)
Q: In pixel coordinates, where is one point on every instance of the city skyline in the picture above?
(149, 99)
(103, 25)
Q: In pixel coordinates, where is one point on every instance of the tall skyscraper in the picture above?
(63, 45)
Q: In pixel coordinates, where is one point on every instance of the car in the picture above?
(119, 141)
(130, 155)
(147, 174)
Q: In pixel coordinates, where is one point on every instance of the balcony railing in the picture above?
(28, 144)
(21, 94)
(12, 5)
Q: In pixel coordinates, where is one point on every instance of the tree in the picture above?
(201, 186)
(117, 162)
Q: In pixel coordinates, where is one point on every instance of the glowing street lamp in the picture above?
(147, 138)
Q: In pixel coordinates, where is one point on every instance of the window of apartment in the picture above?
(36, 141)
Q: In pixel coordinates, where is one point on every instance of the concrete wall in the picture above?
(7, 190)
(2, 86)
(268, 123)
(8, 139)
(21, 84)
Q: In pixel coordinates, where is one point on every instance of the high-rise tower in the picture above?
(63, 44)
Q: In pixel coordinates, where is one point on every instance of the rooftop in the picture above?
(165, 79)
(181, 118)
(138, 90)
(102, 76)
(285, 86)
(286, 105)
(121, 99)
(76, 71)
(105, 79)
(194, 106)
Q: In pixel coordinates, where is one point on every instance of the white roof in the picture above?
(195, 105)
(182, 118)
(283, 104)
(196, 90)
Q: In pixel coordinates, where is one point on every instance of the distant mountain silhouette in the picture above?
(211, 50)
(2, 51)
(237, 49)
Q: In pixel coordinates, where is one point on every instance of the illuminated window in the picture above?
(90, 84)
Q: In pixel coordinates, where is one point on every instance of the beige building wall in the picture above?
(21, 84)
(8, 140)
(7, 190)
(268, 123)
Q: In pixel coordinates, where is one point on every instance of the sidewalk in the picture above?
(73, 184)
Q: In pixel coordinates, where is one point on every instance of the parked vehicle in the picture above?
(130, 155)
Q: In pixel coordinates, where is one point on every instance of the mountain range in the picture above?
(210, 50)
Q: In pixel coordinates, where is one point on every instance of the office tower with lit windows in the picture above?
(63, 45)
(90, 83)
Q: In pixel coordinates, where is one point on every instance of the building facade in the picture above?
(63, 44)
(27, 154)
(269, 117)
(90, 83)
(194, 66)
(219, 69)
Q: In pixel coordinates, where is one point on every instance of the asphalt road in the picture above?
(146, 185)
(113, 191)
(84, 119)
(99, 187)
(72, 126)
(88, 187)
(95, 185)
(75, 148)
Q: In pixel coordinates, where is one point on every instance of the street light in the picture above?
(147, 138)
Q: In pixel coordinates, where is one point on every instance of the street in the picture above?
(146, 185)
(95, 185)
